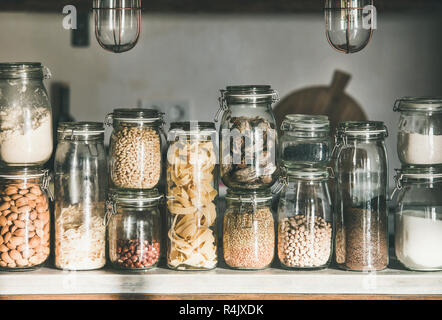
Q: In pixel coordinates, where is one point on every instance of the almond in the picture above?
(5, 206)
(16, 241)
(11, 190)
(6, 258)
(34, 242)
(3, 248)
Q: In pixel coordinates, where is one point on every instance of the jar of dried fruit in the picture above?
(135, 148)
(24, 219)
(134, 229)
(249, 230)
(80, 188)
(192, 190)
(305, 220)
(248, 137)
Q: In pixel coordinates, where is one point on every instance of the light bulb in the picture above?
(349, 24)
(117, 24)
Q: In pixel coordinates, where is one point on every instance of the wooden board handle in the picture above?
(339, 82)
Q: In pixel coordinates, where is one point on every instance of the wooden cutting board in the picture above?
(322, 100)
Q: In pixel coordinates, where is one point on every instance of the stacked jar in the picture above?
(248, 160)
(135, 165)
(305, 224)
(25, 146)
(418, 211)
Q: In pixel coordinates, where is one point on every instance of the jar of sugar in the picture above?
(418, 218)
(25, 115)
(420, 131)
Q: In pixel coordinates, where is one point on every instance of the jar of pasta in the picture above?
(80, 188)
(134, 229)
(24, 219)
(135, 148)
(249, 230)
(192, 190)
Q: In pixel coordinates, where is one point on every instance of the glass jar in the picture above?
(249, 230)
(192, 191)
(418, 221)
(305, 140)
(248, 137)
(24, 219)
(420, 131)
(80, 188)
(25, 115)
(361, 171)
(305, 220)
(135, 148)
(134, 229)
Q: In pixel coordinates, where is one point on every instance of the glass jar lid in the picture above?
(135, 197)
(416, 174)
(419, 104)
(117, 5)
(192, 126)
(362, 129)
(244, 94)
(80, 128)
(303, 122)
(23, 70)
(24, 173)
(249, 196)
(307, 174)
(135, 115)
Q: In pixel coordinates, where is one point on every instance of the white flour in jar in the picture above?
(25, 138)
(418, 240)
(415, 148)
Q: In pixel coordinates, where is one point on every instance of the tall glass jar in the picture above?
(135, 148)
(420, 131)
(24, 219)
(248, 137)
(418, 221)
(134, 229)
(25, 115)
(192, 191)
(305, 229)
(305, 140)
(361, 170)
(80, 190)
(249, 230)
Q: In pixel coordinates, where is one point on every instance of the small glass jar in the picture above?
(25, 115)
(192, 192)
(420, 131)
(134, 229)
(361, 170)
(80, 189)
(305, 229)
(305, 140)
(249, 230)
(418, 221)
(135, 148)
(248, 137)
(24, 219)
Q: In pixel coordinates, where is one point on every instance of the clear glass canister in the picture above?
(418, 221)
(24, 219)
(305, 229)
(305, 140)
(80, 191)
(420, 131)
(135, 148)
(249, 230)
(248, 137)
(25, 115)
(361, 170)
(192, 191)
(134, 229)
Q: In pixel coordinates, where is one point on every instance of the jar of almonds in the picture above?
(24, 219)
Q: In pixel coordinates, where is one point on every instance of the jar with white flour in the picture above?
(25, 115)
(418, 218)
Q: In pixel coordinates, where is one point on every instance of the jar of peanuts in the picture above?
(249, 230)
(134, 229)
(135, 148)
(305, 220)
(24, 219)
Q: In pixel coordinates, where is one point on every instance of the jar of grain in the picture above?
(420, 131)
(25, 115)
(418, 218)
(305, 220)
(24, 219)
(192, 191)
(248, 137)
(135, 148)
(361, 172)
(134, 229)
(80, 188)
(249, 230)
